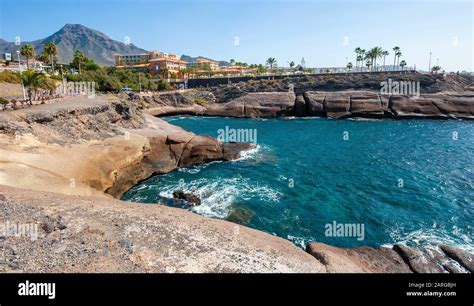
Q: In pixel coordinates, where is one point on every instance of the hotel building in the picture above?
(202, 61)
(152, 61)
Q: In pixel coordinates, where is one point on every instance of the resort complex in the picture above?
(170, 66)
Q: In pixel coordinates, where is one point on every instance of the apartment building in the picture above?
(171, 63)
(152, 61)
(132, 59)
(202, 61)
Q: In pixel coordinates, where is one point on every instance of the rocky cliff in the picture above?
(342, 104)
(96, 145)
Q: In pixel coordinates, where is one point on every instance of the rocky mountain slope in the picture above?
(72, 37)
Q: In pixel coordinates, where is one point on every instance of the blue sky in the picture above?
(323, 32)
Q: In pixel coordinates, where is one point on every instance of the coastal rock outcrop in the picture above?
(262, 104)
(464, 258)
(412, 107)
(188, 197)
(357, 260)
(314, 104)
(418, 261)
(91, 146)
(337, 104)
(397, 259)
(109, 235)
(300, 106)
(368, 104)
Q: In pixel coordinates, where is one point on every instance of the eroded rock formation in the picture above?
(397, 259)
(339, 105)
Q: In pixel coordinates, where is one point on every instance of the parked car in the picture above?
(126, 90)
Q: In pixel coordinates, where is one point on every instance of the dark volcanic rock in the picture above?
(314, 103)
(463, 257)
(188, 197)
(241, 215)
(358, 260)
(233, 151)
(418, 261)
(300, 106)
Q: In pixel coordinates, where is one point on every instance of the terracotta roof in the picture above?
(206, 59)
(165, 59)
(132, 66)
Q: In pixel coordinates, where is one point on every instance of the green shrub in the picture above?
(201, 102)
(163, 85)
(3, 100)
(56, 77)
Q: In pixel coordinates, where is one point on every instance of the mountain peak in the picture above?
(72, 29)
(75, 27)
(73, 37)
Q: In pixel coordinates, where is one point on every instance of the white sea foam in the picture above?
(300, 241)
(432, 237)
(197, 168)
(249, 154)
(217, 195)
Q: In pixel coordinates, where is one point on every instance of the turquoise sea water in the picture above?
(406, 181)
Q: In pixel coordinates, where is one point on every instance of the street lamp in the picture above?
(139, 82)
(429, 65)
(19, 68)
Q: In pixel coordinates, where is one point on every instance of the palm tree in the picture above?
(79, 57)
(357, 52)
(368, 63)
(33, 80)
(403, 64)
(28, 52)
(362, 56)
(43, 57)
(372, 55)
(349, 66)
(436, 68)
(385, 53)
(271, 61)
(395, 51)
(377, 52)
(232, 62)
(398, 54)
(52, 50)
